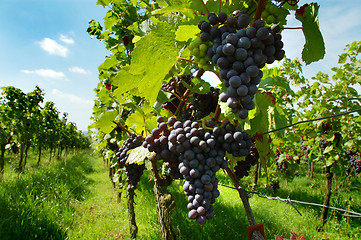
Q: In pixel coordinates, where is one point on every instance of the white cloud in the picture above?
(72, 98)
(46, 73)
(78, 70)
(66, 39)
(53, 48)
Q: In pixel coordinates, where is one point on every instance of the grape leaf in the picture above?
(136, 121)
(138, 155)
(152, 58)
(105, 121)
(186, 32)
(266, 84)
(314, 48)
(199, 86)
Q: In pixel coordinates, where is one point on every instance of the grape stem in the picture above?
(173, 93)
(204, 6)
(244, 197)
(217, 74)
(187, 93)
(119, 124)
(292, 28)
(152, 159)
(220, 6)
(187, 60)
(260, 7)
(217, 113)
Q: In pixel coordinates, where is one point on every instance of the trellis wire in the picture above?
(311, 120)
(262, 195)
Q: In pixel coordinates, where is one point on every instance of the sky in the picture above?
(45, 43)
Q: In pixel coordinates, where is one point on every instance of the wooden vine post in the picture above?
(132, 223)
(165, 202)
(256, 234)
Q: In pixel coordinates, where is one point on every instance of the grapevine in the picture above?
(133, 171)
(273, 14)
(200, 154)
(240, 51)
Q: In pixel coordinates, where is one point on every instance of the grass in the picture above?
(74, 199)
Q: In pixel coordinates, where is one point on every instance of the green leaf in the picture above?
(314, 48)
(152, 58)
(199, 86)
(330, 161)
(328, 149)
(136, 121)
(138, 155)
(105, 121)
(227, 112)
(116, 177)
(104, 3)
(186, 32)
(266, 84)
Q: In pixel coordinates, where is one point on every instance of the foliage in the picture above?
(150, 46)
(25, 123)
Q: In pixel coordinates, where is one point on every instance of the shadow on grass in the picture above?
(37, 205)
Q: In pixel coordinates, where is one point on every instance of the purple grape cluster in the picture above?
(175, 85)
(130, 143)
(323, 143)
(200, 154)
(157, 142)
(242, 167)
(354, 159)
(274, 185)
(203, 104)
(134, 171)
(281, 165)
(240, 51)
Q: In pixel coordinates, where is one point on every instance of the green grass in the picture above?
(74, 199)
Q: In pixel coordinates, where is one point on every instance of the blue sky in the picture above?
(45, 43)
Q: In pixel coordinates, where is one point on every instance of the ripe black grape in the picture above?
(134, 171)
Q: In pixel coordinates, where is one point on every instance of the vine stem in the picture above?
(311, 120)
(244, 197)
(219, 77)
(154, 167)
(292, 28)
(187, 93)
(217, 113)
(220, 6)
(119, 124)
(260, 7)
(173, 93)
(204, 6)
(156, 181)
(187, 60)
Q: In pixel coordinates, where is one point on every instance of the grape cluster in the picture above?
(200, 154)
(157, 142)
(130, 143)
(354, 159)
(242, 167)
(323, 143)
(198, 48)
(240, 50)
(281, 165)
(134, 171)
(175, 85)
(304, 149)
(274, 185)
(273, 14)
(203, 104)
